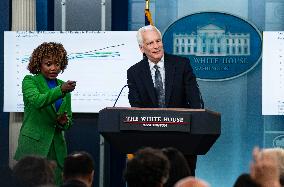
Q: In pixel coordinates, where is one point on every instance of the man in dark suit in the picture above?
(162, 80)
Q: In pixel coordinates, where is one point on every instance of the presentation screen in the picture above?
(273, 73)
(98, 61)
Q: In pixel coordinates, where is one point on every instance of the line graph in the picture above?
(98, 61)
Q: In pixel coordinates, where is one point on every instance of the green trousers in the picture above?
(58, 170)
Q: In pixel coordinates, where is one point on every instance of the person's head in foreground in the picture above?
(34, 171)
(79, 166)
(149, 167)
(264, 169)
(191, 182)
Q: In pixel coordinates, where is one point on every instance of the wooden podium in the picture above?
(192, 131)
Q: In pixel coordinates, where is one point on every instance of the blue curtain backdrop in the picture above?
(44, 15)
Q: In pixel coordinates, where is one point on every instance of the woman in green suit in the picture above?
(47, 106)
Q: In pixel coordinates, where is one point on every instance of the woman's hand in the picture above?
(68, 86)
(62, 119)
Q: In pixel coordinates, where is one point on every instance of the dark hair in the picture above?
(34, 171)
(56, 50)
(244, 180)
(281, 179)
(149, 167)
(73, 183)
(78, 164)
(178, 166)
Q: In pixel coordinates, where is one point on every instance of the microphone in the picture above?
(201, 101)
(120, 93)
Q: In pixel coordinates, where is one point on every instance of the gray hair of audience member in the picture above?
(149, 167)
(191, 182)
(279, 153)
(144, 29)
(35, 171)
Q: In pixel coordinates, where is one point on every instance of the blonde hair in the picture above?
(279, 153)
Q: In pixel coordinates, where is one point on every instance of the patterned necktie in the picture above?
(160, 92)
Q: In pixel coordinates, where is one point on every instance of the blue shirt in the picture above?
(52, 84)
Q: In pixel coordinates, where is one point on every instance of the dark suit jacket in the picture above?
(181, 88)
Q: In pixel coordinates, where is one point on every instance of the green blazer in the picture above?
(39, 125)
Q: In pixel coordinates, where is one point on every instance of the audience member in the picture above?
(191, 182)
(245, 180)
(73, 183)
(78, 166)
(178, 166)
(34, 171)
(264, 169)
(148, 168)
(279, 153)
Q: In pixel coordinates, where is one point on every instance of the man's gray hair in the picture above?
(143, 29)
